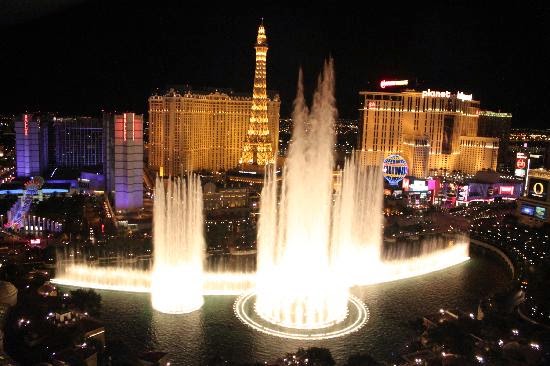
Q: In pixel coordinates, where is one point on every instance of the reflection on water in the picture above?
(193, 339)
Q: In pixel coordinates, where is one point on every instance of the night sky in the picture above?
(78, 57)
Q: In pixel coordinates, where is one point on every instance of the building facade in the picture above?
(214, 130)
(497, 124)
(31, 145)
(123, 169)
(78, 142)
(194, 131)
(435, 132)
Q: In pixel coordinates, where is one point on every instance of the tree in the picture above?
(86, 300)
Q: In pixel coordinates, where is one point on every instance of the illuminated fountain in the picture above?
(177, 275)
(320, 234)
(297, 285)
(315, 244)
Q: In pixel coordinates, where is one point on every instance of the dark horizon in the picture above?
(82, 57)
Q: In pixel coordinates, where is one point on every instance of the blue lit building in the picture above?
(78, 142)
(31, 145)
(123, 168)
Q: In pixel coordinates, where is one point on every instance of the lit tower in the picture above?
(257, 147)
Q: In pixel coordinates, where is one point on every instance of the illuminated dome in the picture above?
(8, 293)
(395, 169)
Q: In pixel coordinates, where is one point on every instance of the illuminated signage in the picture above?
(124, 126)
(133, 127)
(538, 189)
(385, 83)
(437, 94)
(527, 210)
(446, 94)
(463, 193)
(461, 96)
(540, 213)
(522, 161)
(372, 105)
(506, 190)
(405, 184)
(26, 124)
(418, 186)
(395, 168)
(35, 241)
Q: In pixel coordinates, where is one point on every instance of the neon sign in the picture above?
(133, 127)
(436, 94)
(385, 83)
(521, 164)
(461, 96)
(26, 124)
(124, 126)
(506, 190)
(538, 188)
(446, 94)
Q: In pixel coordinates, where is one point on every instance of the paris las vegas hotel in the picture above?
(215, 130)
(435, 131)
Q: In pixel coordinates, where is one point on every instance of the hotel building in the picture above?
(78, 142)
(31, 145)
(192, 130)
(435, 132)
(497, 124)
(123, 167)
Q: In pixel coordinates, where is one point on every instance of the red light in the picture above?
(405, 185)
(26, 124)
(102, 228)
(521, 164)
(124, 127)
(506, 190)
(385, 83)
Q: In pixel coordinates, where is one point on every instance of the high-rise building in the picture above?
(435, 132)
(258, 148)
(78, 142)
(191, 130)
(497, 124)
(31, 145)
(123, 169)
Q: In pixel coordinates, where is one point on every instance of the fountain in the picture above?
(297, 285)
(319, 235)
(177, 276)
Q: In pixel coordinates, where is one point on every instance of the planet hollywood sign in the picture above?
(446, 94)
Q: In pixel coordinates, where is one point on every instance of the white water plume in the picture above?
(179, 246)
(296, 282)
